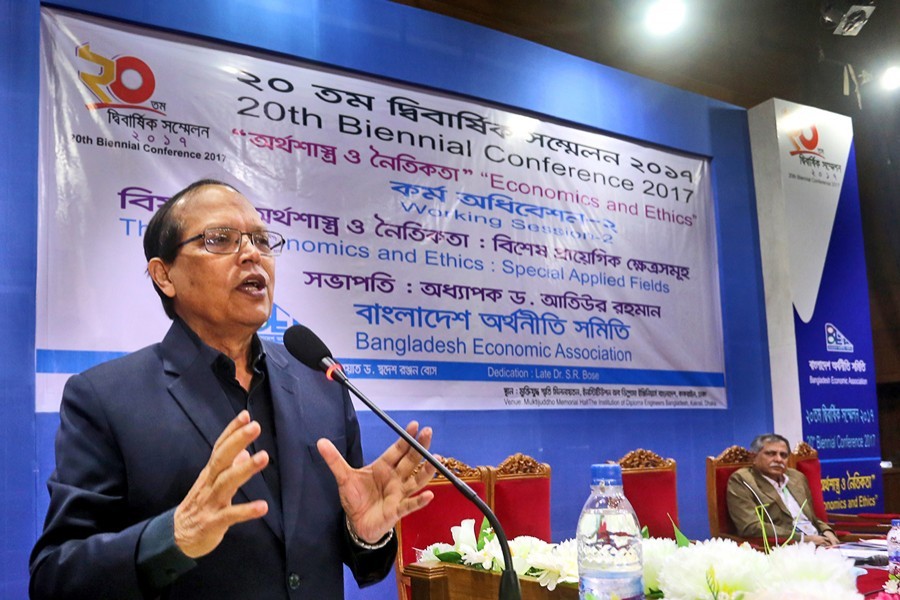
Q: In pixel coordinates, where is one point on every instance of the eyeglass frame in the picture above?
(275, 250)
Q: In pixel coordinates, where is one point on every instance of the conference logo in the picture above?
(119, 82)
(279, 321)
(835, 341)
(805, 142)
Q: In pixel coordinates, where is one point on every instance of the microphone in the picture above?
(305, 346)
(876, 560)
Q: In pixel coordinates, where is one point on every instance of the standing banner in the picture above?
(811, 233)
(517, 262)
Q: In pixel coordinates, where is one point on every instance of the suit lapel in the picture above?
(199, 394)
(798, 491)
(292, 438)
(770, 494)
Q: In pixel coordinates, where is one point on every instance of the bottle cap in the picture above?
(895, 522)
(609, 474)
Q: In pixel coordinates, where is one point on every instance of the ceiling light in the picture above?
(664, 16)
(890, 79)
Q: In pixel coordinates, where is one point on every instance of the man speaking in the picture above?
(213, 464)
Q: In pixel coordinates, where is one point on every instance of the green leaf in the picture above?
(760, 510)
(681, 540)
(450, 557)
(712, 583)
(485, 533)
(645, 532)
(654, 594)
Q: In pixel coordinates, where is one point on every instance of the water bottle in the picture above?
(609, 541)
(893, 547)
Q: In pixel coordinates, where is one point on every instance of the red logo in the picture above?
(123, 82)
(806, 141)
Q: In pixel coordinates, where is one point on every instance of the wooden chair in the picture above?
(718, 470)
(805, 459)
(520, 492)
(650, 484)
(432, 524)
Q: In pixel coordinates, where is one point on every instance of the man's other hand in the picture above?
(207, 512)
(378, 495)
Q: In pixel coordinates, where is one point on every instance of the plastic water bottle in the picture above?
(609, 541)
(893, 547)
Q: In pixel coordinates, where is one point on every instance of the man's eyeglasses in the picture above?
(226, 240)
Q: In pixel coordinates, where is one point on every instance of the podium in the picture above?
(446, 581)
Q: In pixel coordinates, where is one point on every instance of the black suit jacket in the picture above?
(134, 434)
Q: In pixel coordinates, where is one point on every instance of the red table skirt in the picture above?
(871, 583)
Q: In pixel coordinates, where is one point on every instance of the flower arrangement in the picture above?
(715, 569)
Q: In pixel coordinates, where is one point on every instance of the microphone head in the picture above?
(305, 346)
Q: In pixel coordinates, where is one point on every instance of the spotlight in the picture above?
(664, 16)
(890, 79)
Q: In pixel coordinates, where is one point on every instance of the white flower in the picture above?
(522, 549)
(474, 557)
(466, 544)
(799, 563)
(429, 554)
(524, 545)
(892, 586)
(464, 534)
(656, 551)
(556, 564)
(712, 569)
(805, 590)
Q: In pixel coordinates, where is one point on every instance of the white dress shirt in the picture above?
(801, 521)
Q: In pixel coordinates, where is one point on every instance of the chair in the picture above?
(432, 524)
(649, 483)
(805, 459)
(718, 470)
(520, 491)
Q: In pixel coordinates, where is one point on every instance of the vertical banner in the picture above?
(459, 255)
(811, 233)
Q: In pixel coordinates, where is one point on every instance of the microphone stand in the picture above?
(509, 581)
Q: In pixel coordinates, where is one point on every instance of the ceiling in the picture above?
(744, 52)
(739, 51)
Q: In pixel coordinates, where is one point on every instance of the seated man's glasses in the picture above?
(226, 240)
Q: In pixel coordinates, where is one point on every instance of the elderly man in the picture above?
(783, 494)
(213, 464)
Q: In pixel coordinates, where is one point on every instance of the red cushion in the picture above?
(812, 469)
(522, 506)
(432, 523)
(654, 498)
(722, 475)
(879, 516)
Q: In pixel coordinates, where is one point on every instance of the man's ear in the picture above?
(159, 272)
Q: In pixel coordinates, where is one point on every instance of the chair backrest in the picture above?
(432, 524)
(805, 459)
(520, 491)
(718, 470)
(650, 484)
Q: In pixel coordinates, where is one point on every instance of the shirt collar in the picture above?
(214, 357)
(775, 483)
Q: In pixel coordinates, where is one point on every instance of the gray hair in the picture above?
(767, 438)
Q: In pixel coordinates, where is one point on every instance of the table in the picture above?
(445, 581)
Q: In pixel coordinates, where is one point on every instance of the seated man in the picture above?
(783, 493)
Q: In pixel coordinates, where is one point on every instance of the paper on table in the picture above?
(858, 552)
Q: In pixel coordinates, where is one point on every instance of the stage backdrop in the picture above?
(519, 262)
(479, 69)
(817, 296)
